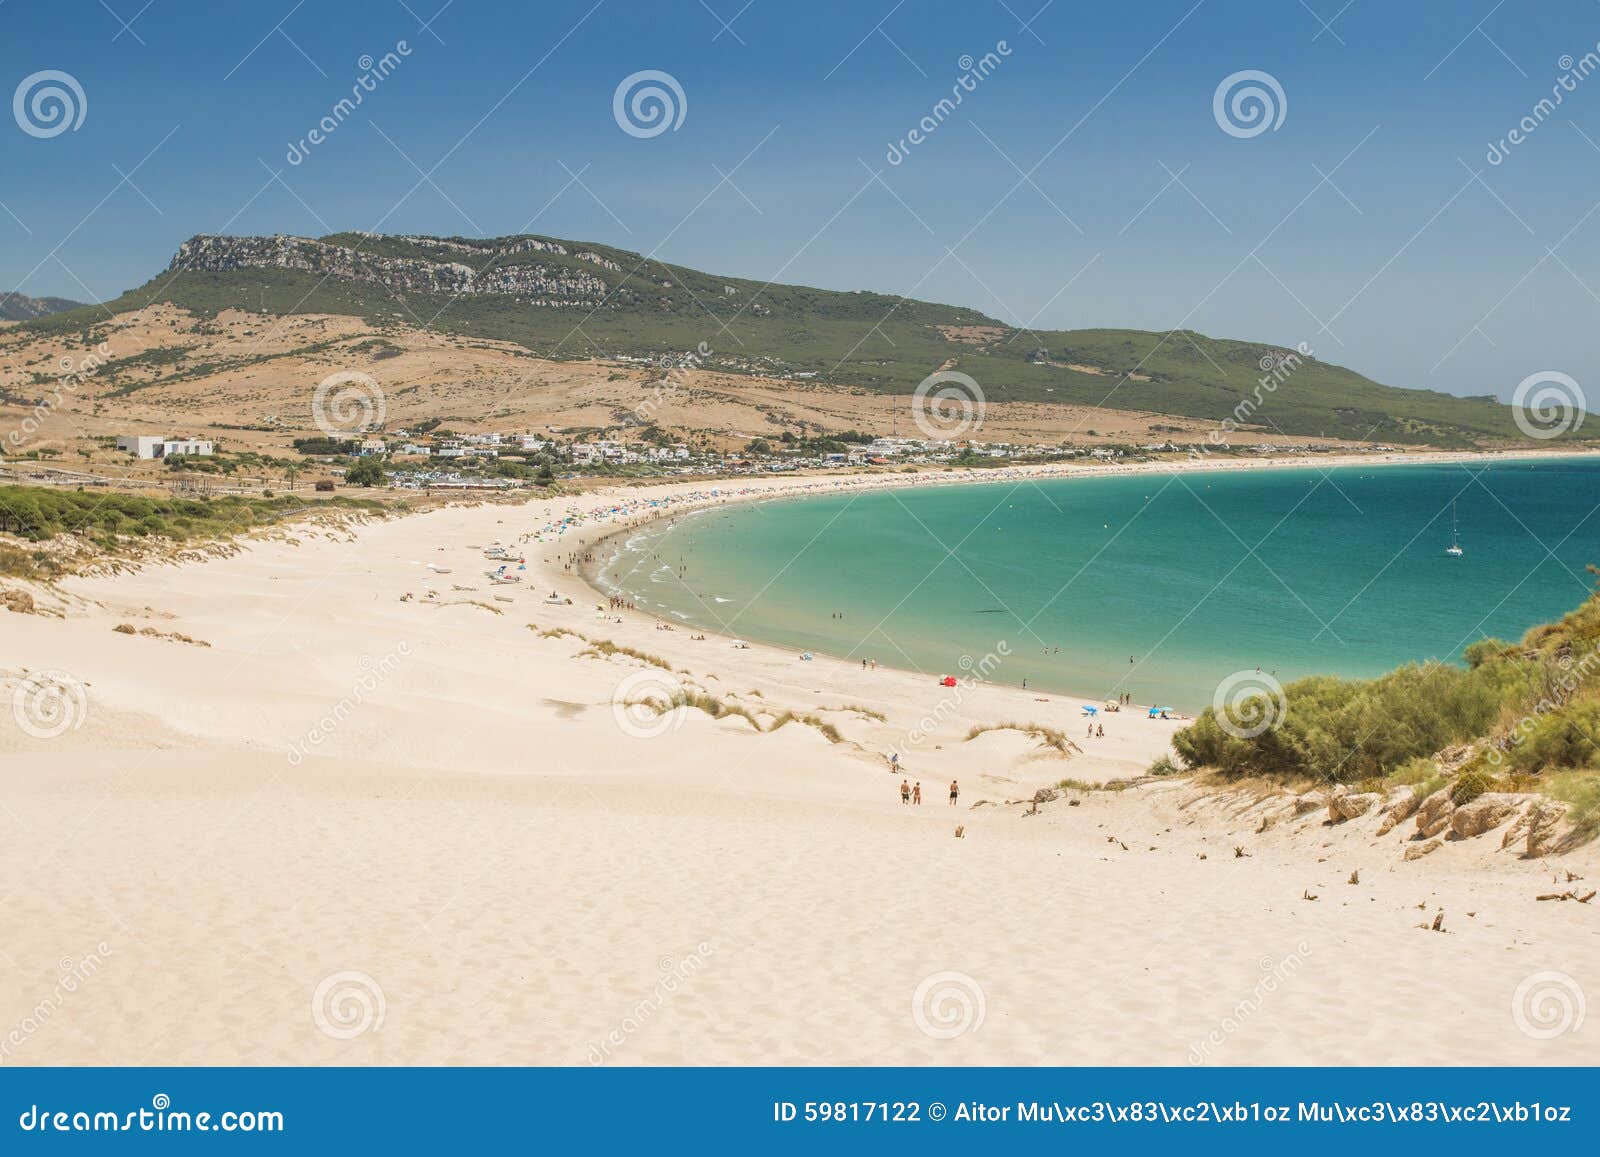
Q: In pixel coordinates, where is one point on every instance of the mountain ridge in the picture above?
(21, 307)
(578, 299)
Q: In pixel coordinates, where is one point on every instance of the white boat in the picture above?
(1454, 549)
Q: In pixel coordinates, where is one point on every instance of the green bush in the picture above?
(1350, 730)
(1470, 784)
(367, 472)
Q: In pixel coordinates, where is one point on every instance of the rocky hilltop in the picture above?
(501, 267)
(570, 299)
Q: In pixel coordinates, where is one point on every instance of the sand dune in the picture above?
(362, 829)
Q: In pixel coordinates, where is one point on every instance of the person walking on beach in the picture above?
(905, 791)
(955, 790)
(894, 761)
(916, 794)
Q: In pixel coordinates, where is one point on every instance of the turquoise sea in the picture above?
(1158, 584)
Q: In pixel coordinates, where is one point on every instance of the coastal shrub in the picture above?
(1563, 738)
(857, 709)
(1049, 736)
(1349, 730)
(828, 730)
(1414, 771)
(603, 648)
(710, 704)
(1470, 784)
(1580, 789)
(38, 515)
(1110, 785)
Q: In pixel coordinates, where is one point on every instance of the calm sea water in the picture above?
(1160, 584)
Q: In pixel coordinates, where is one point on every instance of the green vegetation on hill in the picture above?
(873, 341)
(1527, 716)
(108, 520)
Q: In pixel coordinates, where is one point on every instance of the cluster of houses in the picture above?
(493, 445)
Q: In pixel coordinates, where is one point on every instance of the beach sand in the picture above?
(362, 829)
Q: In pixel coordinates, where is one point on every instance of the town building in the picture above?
(155, 446)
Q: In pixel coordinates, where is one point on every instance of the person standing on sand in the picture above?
(955, 790)
(905, 791)
(916, 794)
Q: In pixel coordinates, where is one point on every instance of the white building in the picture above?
(154, 446)
(140, 445)
(177, 446)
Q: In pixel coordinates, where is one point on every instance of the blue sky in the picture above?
(1084, 182)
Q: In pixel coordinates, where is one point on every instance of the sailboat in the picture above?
(1454, 549)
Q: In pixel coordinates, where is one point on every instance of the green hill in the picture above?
(579, 299)
(20, 307)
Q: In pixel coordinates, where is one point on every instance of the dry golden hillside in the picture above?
(246, 380)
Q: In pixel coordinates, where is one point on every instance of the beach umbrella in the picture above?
(1087, 710)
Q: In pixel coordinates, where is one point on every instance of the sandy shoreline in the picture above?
(671, 501)
(360, 827)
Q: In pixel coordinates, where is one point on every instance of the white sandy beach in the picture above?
(357, 828)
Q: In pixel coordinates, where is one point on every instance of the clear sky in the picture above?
(1084, 181)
